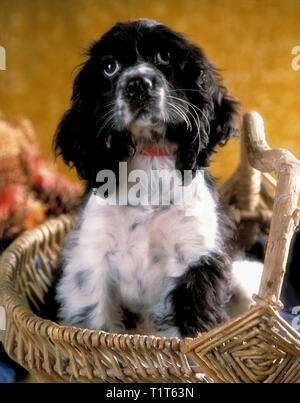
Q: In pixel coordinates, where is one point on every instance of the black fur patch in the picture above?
(157, 258)
(178, 254)
(136, 223)
(80, 278)
(82, 317)
(200, 294)
(130, 319)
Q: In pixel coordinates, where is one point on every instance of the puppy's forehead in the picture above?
(135, 30)
(139, 38)
(124, 39)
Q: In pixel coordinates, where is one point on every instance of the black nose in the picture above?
(137, 87)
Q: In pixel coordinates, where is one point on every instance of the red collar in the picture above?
(152, 151)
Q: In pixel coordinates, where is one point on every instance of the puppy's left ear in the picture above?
(222, 111)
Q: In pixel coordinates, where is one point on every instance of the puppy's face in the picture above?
(142, 64)
(143, 83)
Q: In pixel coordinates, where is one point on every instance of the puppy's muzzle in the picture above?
(141, 95)
(138, 88)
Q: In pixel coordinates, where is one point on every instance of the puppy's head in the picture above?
(144, 83)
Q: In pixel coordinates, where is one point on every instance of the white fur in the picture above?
(245, 280)
(126, 256)
(135, 268)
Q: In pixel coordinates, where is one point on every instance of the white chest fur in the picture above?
(129, 257)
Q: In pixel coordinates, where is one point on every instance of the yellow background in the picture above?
(250, 40)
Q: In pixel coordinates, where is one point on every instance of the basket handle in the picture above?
(285, 213)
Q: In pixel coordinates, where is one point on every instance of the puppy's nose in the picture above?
(137, 87)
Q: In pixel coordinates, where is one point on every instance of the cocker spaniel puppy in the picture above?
(146, 101)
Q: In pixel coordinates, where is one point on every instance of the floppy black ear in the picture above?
(80, 138)
(76, 140)
(216, 109)
(222, 113)
(68, 142)
(70, 139)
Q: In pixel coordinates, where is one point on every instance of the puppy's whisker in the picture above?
(203, 114)
(98, 110)
(184, 89)
(109, 104)
(108, 113)
(109, 122)
(193, 106)
(179, 112)
(176, 112)
(182, 113)
(192, 110)
(198, 126)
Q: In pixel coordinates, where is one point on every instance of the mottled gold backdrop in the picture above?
(250, 40)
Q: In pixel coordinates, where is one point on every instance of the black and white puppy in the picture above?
(147, 97)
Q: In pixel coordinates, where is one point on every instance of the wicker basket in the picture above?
(255, 346)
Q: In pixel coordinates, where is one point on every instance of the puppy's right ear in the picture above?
(83, 138)
(70, 139)
(67, 141)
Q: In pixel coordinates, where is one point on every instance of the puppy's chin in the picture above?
(147, 128)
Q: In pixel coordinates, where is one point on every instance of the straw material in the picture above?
(255, 346)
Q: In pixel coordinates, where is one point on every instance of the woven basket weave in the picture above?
(255, 346)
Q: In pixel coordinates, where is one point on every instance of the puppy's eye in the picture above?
(111, 68)
(162, 58)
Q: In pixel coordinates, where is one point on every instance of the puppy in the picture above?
(148, 100)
